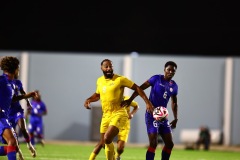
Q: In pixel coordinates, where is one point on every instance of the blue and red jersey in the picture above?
(6, 95)
(161, 90)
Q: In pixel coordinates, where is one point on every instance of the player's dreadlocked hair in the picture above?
(9, 64)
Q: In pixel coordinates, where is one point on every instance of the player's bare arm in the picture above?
(25, 96)
(95, 97)
(127, 102)
(135, 109)
(29, 106)
(149, 106)
(174, 106)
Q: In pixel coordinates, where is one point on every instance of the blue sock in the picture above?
(11, 153)
(150, 154)
(166, 152)
(3, 150)
(32, 139)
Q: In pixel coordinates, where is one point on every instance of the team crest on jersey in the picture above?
(111, 84)
(171, 89)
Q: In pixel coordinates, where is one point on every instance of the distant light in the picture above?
(134, 54)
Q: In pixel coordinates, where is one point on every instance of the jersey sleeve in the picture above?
(97, 87)
(134, 104)
(153, 79)
(175, 90)
(126, 82)
(19, 84)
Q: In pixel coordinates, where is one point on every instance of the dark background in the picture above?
(177, 27)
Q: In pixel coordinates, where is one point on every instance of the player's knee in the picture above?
(12, 142)
(169, 145)
(153, 143)
(107, 140)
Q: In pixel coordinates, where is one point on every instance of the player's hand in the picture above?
(174, 123)
(31, 94)
(130, 116)
(149, 108)
(87, 104)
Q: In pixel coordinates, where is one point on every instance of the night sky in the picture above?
(174, 27)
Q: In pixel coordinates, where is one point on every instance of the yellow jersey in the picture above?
(111, 92)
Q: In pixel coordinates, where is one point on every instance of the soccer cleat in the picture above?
(118, 158)
(42, 142)
(32, 149)
(20, 155)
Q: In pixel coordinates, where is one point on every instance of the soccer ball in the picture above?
(159, 113)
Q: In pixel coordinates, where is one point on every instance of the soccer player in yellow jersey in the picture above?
(110, 88)
(122, 135)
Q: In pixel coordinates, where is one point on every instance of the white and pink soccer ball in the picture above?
(159, 113)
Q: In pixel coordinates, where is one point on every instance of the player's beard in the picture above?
(108, 74)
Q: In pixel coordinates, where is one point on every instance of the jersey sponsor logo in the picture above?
(161, 85)
(171, 89)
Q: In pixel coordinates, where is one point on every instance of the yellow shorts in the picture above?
(124, 132)
(117, 118)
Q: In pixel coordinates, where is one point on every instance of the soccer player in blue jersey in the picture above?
(10, 67)
(16, 114)
(162, 89)
(38, 110)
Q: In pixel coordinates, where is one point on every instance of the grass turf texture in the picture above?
(63, 151)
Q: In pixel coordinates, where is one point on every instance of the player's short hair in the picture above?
(105, 61)
(9, 64)
(170, 63)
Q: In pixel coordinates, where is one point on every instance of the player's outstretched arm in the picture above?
(149, 106)
(25, 96)
(127, 102)
(29, 106)
(95, 97)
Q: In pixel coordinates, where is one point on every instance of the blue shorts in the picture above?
(4, 124)
(156, 127)
(13, 119)
(35, 126)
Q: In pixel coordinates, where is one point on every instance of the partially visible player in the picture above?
(36, 124)
(16, 114)
(10, 67)
(162, 89)
(122, 135)
(110, 88)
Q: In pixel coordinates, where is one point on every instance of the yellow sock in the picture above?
(109, 151)
(92, 156)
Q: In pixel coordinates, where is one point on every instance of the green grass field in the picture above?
(68, 151)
